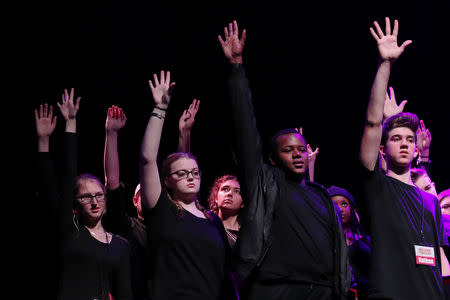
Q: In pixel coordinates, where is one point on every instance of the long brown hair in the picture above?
(165, 172)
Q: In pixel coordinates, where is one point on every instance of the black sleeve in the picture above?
(47, 196)
(69, 174)
(116, 219)
(248, 148)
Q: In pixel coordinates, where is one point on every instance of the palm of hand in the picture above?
(44, 127)
(388, 48)
(161, 94)
(232, 47)
(68, 110)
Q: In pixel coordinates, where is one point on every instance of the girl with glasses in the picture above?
(94, 264)
(190, 250)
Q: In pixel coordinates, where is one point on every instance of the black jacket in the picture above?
(260, 183)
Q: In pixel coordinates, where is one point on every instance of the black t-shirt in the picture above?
(393, 213)
(303, 243)
(188, 253)
(92, 268)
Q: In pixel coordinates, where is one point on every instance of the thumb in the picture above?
(402, 105)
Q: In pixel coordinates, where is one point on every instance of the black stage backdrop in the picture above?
(310, 64)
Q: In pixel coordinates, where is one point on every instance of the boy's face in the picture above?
(400, 148)
(293, 153)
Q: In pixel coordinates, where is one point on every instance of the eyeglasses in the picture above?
(87, 198)
(182, 174)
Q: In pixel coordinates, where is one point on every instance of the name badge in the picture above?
(425, 255)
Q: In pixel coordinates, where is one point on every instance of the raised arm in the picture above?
(248, 148)
(185, 125)
(115, 120)
(149, 174)
(69, 109)
(389, 51)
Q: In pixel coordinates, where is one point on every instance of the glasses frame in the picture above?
(187, 173)
(83, 198)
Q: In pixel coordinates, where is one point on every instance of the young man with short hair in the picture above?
(404, 222)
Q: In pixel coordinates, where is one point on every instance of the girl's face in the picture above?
(229, 197)
(445, 205)
(425, 184)
(184, 177)
(91, 199)
(344, 206)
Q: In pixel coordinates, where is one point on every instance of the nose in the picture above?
(296, 153)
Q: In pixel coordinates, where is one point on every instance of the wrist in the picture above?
(236, 60)
(44, 143)
(112, 132)
(71, 125)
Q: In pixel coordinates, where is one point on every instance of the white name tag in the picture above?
(425, 255)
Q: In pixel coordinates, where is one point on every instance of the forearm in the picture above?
(43, 144)
(184, 141)
(311, 171)
(248, 146)
(378, 93)
(71, 125)
(149, 174)
(152, 138)
(111, 160)
(70, 172)
(371, 139)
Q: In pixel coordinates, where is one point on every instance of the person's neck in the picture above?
(402, 174)
(95, 228)
(230, 221)
(189, 204)
(299, 178)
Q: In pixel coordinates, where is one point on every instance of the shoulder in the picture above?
(317, 187)
(117, 239)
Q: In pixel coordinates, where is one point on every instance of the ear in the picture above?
(382, 150)
(135, 201)
(166, 181)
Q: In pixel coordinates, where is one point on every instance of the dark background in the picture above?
(310, 64)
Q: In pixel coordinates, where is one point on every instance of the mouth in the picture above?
(298, 164)
(191, 185)
(228, 201)
(95, 210)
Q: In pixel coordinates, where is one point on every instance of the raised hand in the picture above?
(162, 89)
(45, 121)
(115, 119)
(390, 105)
(187, 118)
(387, 42)
(423, 139)
(233, 46)
(312, 154)
(68, 108)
